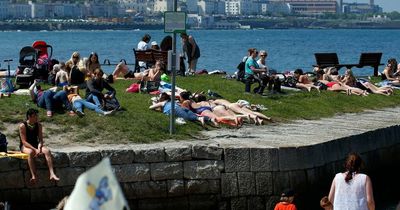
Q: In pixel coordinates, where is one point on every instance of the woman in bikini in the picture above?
(389, 73)
(351, 81)
(256, 117)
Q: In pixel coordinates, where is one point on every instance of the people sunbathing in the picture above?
(350, 80)
(303, 82)
(164, 104)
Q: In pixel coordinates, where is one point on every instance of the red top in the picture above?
(285, 206)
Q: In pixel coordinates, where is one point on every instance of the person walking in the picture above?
(351, 189)
(192, 51)
(31, 143)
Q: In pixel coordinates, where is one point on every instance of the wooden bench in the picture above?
(324, 60)
(371, 59)
(150, 57)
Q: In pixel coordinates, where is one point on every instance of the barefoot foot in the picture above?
(54, 178)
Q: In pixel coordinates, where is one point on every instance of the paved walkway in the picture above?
(305, 132)
(294, 134)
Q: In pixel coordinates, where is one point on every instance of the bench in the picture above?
(150, 57)
(324, 60)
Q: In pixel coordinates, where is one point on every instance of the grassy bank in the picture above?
(139, 124)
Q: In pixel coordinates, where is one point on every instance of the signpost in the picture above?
(174, 22)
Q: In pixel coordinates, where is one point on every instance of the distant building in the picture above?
(360, 8)
(4, 9)
(275, 8)
(37, 10)
(192, 7)
(20, 11)
(211, 7)
(242, 7)
(163, 5)
(312, 7)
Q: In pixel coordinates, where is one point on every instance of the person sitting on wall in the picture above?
(31, 143)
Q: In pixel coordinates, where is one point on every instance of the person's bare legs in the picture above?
(49, 160)
(260, 115)
(121, 68)
(31, 163)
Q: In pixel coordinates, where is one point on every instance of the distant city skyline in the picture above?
(387, 5)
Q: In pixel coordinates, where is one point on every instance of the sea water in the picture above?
(287, 49)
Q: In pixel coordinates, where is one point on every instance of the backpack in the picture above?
(241, 71)
(3, 143)
(111, 104)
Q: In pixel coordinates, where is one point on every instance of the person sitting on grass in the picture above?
(390, 73)
(61, 79)
(48, 99)
(31, 143)
(78, 103)
(254, 73)
(151, 74)
(164, 104)
(95, 87)
(303, 82)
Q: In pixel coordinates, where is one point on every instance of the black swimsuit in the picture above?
(31, 135)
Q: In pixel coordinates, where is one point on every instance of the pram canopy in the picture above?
(45, 51)
(28, 56)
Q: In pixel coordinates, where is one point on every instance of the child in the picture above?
(286, 202)
(325, 203)
(61, 79)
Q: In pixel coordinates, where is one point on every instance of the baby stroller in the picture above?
(26, 71)
(44, 54)
(35, 63)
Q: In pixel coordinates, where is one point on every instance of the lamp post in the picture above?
(172, 116)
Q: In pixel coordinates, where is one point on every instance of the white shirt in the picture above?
(351, 195)
(142, 45)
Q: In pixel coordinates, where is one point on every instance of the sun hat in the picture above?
(154, 43)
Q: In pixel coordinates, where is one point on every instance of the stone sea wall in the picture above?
(205, 176)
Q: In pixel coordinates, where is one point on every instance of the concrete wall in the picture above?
(201, 176)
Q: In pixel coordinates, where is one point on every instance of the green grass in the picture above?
(139, 124)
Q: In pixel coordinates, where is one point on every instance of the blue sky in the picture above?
(387, 5)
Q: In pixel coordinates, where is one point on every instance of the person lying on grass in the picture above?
(78, 103)
(350, 80)
(205, 108)
(303, 82)
(164, 104)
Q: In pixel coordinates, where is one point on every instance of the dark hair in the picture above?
(166, 43)
(393, 64)
(298, 71)
(98, 71)
(185, 95)
(252, 50)
(164, 97)
(30, 112)
(200, 97)
(90, 57)
(184, 34)
(146, 38)
(352, 165)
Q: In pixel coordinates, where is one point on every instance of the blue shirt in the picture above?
(250, 62)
